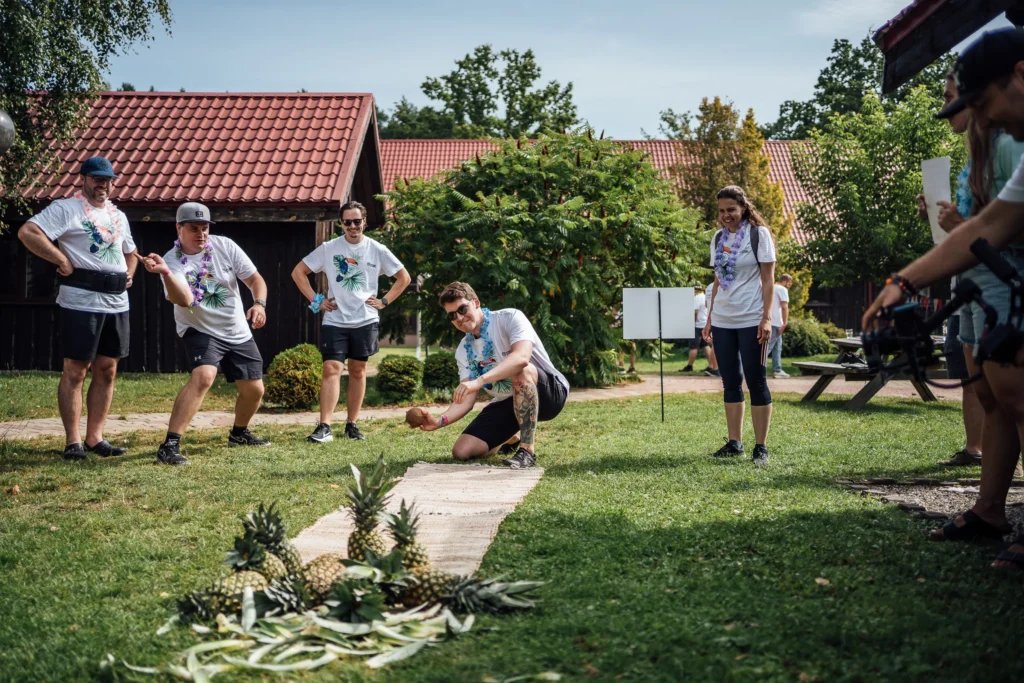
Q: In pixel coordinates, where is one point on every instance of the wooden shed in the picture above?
(272, 167)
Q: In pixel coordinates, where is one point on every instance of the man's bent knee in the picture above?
(467, 448)
(204, 376)
(527, 374)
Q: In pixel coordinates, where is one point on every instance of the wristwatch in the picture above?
(261, 302)
(384, 300)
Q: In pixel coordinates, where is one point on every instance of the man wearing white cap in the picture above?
(95, 258)
(200, 276)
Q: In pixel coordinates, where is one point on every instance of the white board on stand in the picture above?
(640, 313)
(935, 177)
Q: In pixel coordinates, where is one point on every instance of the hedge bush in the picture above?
(805, 338)
(398, 378)
(441, 371)
(293, 379)
(832, 331)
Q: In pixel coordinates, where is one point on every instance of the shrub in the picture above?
(293, 379)
(398, 377)
(441, 371)
(805, 338)
(832, 331)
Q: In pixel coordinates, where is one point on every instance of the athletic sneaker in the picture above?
(712, 373)
(521, 460)
(760, 454)
(352, 432)
(246, 438)
(631, 371)
(508, 448)
(731, 449)
(321, 434)
(962, 459)
(688, 368)
(74, 451)
(780, 375)
(170, 455)
(104, 449)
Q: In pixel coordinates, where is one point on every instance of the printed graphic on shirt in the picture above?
(479, 367)
(106, 245)
(348, 272)
(215, 295)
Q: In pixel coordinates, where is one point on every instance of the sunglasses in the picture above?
(460, 311)
(353, 222)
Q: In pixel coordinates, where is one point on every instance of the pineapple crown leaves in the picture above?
(473, 594)
(356, 601)
(386, 571)
(248, 553)
(368, 494)
(195, 608)
(403, 525)
(267, 526)
(287, 594)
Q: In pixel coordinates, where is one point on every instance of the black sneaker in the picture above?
(246, 438)
(104, 449)
(731, 449)
(74, 451)
(712, 373)
(170, 455)
(508, 448)
(321, 434)
(631, 371)
(688, 368)
(760, 454)
(521, 460)
(352, 432)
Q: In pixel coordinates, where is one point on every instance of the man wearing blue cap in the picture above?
(989, 76)
(95, 258)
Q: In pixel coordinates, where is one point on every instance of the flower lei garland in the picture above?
(103, 233)
(488, 350)
(197, 285)
(726, 255)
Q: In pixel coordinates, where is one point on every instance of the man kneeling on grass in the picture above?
(200, 276)
(501, 354)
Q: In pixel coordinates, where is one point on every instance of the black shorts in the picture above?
(85, 335)
(497, 423)
(343, 343)
(697, 343)
(236, 361)
(953, 350)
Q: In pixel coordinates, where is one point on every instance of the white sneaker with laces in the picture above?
(780, 375)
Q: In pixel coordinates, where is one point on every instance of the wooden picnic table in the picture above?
(874, 381)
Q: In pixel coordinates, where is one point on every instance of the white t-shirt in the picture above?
(781, 295)
(92, 239)
(1013, 191)
(742, 304)
(220, 314)
(700, 305)
(352, 273)
(506, 327)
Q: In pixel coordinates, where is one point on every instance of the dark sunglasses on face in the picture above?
(461, 310)
(352, 221)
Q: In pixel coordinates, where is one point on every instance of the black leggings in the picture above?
(733, 347)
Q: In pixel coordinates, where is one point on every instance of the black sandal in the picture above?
(1015, 559)
(974, 528)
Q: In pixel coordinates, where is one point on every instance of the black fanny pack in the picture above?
(97, 281)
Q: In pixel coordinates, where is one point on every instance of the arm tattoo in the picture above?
(526, 403)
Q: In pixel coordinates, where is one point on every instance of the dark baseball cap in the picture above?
(985, 61)
(98, 166)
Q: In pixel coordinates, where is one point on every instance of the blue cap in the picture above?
(98, 166)
(985, 61)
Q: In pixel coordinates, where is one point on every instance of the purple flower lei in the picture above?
(725, 261)
(197, 285)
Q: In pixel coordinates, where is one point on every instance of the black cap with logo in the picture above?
(985, 61)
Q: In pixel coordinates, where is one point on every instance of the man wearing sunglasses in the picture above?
(95, 257)
(501, 354)
(352, 264)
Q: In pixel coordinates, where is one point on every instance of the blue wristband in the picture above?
(314, 305)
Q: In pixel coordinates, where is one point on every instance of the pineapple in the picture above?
(249, 555)
(269, 531)
(403, 530)
(468, 593)
(226, 594)
(321, 573)
(288, 594)
(367, 498)
(195, 607)
(356, 601)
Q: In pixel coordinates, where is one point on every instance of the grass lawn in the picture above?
(663, 564)
(29, 395)
(675, 359)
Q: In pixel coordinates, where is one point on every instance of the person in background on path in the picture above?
(501, 354)
(624, 346)
(351, 328)
(96, 259)
(739, 321)
(700, 317)
(712, 369)
(780, 318)
(200, 276)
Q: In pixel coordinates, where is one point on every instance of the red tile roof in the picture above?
(425, 158)
(268, 149)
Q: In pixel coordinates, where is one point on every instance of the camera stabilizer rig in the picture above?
(909, 338)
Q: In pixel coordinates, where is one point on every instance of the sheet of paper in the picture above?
(935, 174)
(640, 313)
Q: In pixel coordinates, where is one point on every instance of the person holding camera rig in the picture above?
(990, 77)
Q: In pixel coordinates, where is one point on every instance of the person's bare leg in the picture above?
(526, 403)
(709, 350)
(330, 389)
(692, 358)
(69, 398)
(734, 420)
(974, 414)
(187, 404)
(762, 418)
(356, 388)
(468, 447)
(97, 400)
(250, 395)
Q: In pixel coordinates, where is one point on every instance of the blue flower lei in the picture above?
(725, 265)
(488, 351)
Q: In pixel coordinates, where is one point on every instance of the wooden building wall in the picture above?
(29, 329)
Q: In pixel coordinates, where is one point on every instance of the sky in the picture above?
(627, 60)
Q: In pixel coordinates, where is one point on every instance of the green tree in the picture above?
(555, 229)
(488, 94)
(852, 70)
(126, 87)
(52, 56)
(863, 171)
